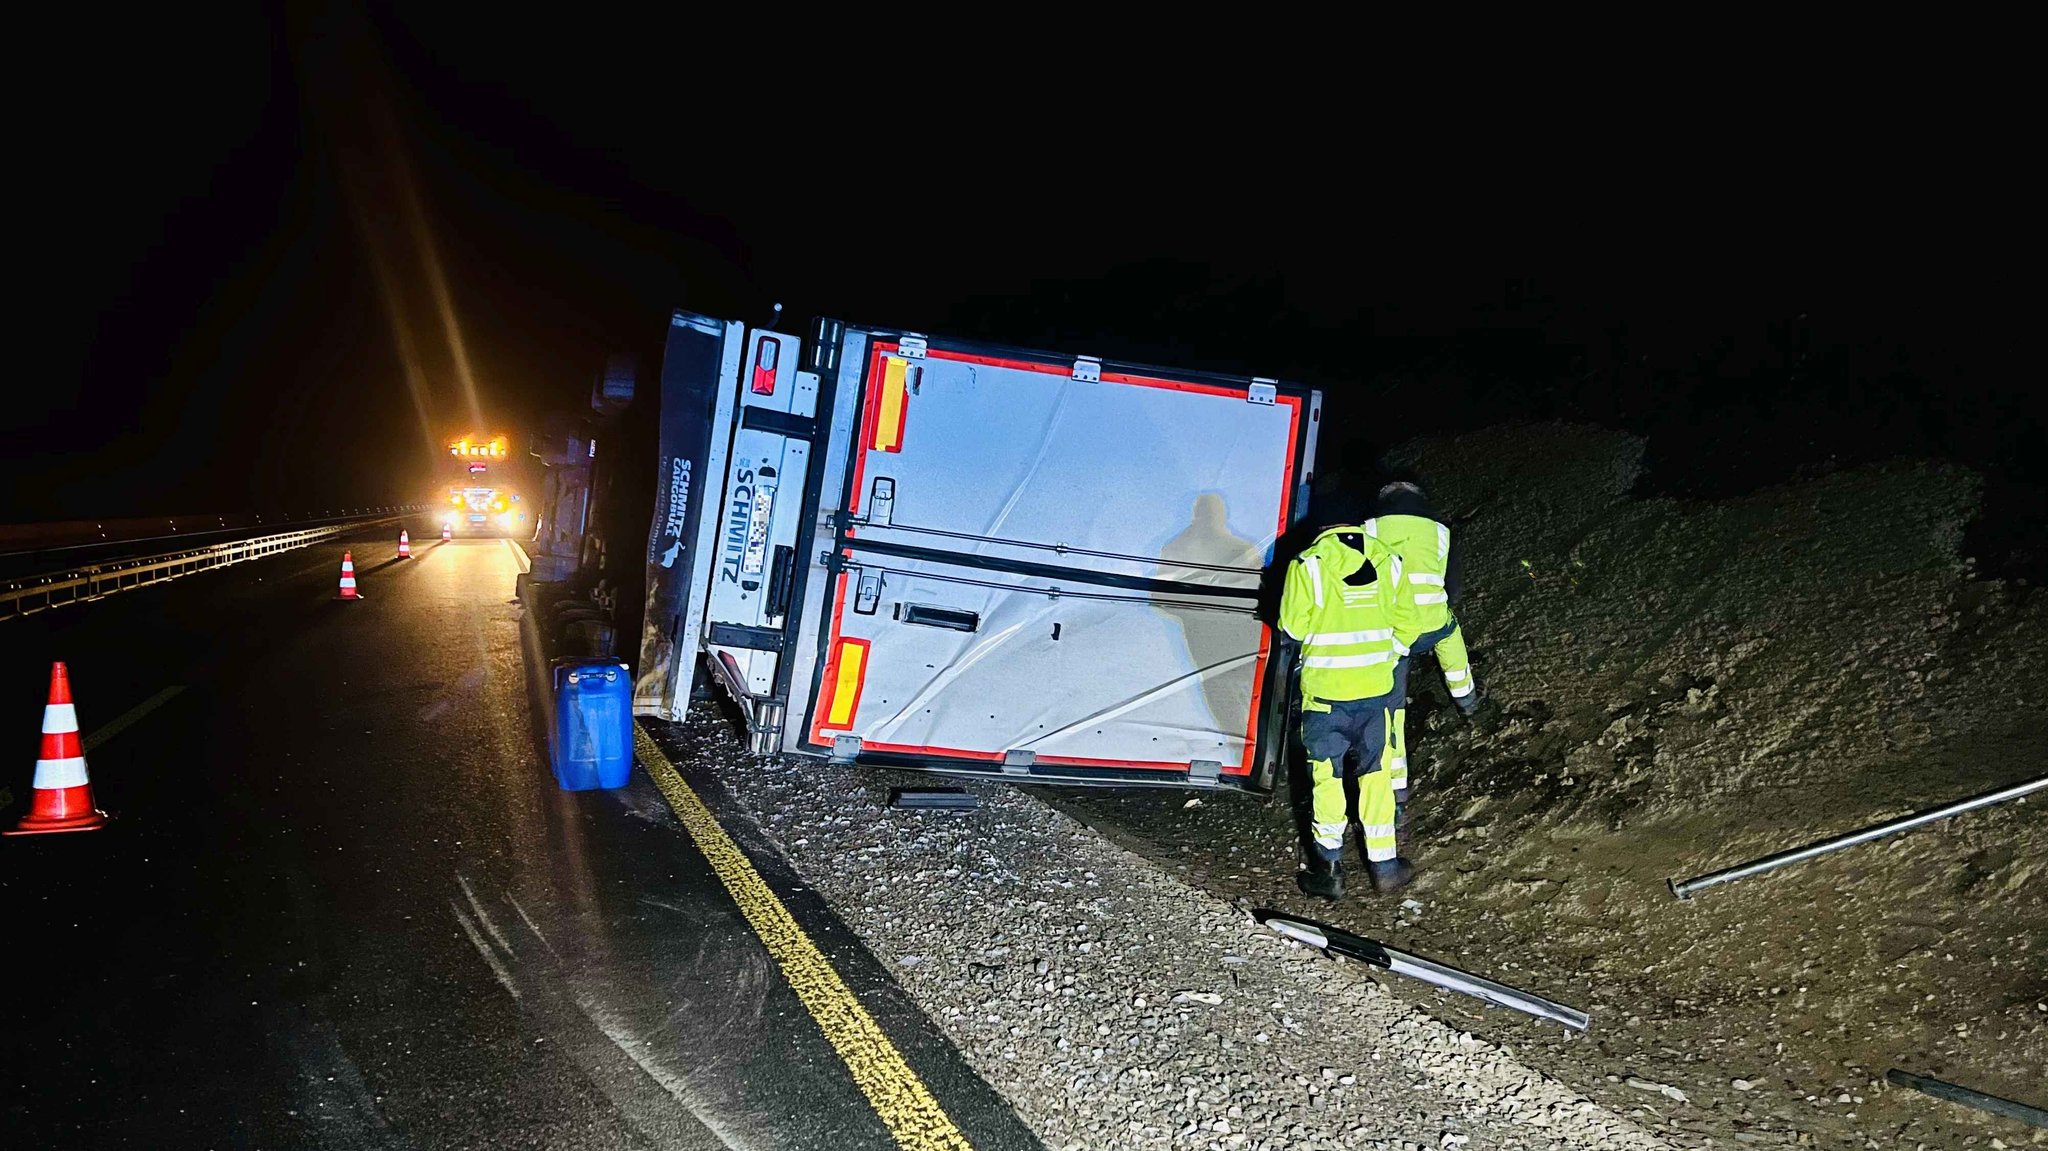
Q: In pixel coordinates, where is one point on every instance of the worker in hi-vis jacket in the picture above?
(1335, 604)
(1424, 586)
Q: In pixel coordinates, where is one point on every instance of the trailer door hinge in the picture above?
(1263, 391)
(1018, 762)
(1204, 771)
(1088, 370)
(911, 346)
(845, 748)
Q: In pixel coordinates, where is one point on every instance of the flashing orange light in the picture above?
(456, 500)
(497, 448)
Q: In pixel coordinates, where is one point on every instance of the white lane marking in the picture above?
(677, 1086)
(128, 718)
(530, 924)
(547, 1005)
(519, 556)
(484, 916)
(484, 949)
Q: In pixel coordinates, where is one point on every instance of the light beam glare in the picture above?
(401, 331)
(430, 258)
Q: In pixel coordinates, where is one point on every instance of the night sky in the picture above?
(229, 270)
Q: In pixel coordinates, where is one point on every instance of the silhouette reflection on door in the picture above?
(1219, 643)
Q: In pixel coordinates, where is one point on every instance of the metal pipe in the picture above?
(1683, 889)
(1068, 550)
(1339, 942)
(2031, 1116)
(1478, 987)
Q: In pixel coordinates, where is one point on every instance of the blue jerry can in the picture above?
(592, 744)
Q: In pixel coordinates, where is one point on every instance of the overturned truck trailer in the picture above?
(922, 553)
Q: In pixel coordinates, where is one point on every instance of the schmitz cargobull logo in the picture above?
(739, 512)
(678, 509)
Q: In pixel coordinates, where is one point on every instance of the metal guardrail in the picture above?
(41, 538)
(28, 595)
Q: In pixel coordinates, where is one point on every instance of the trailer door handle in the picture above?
(952, 619)
(781, 579)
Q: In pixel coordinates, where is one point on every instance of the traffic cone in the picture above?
(404, 545)
(447, 532)
(63, 796)
(348, 579)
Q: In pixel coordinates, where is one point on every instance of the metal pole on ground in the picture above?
(2031, 1116)
(1340, 942)
(1683, 888)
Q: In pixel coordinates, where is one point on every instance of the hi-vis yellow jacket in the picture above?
(1346, 634)
(1421, 548)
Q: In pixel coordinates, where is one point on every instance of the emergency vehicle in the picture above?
(478, 500)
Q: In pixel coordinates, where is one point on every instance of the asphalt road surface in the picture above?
(342, 903)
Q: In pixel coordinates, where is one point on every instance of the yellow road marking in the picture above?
(905, 1104)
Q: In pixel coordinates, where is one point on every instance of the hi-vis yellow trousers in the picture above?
(1329, 729)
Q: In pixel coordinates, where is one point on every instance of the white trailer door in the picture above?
(1050, 566)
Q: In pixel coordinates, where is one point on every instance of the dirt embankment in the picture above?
(1683, 686)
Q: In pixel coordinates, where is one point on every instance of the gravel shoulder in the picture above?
(1117, 1006)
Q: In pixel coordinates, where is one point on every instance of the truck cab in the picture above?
(478, 500)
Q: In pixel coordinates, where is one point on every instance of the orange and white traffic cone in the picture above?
(63, 796)
(404, 545)
(348, 579)
(447, 532)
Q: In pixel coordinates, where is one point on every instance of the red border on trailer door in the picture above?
(869, 418)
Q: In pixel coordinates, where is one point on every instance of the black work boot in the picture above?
(1468, 704)
(1322, 878)
(1391, 875)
